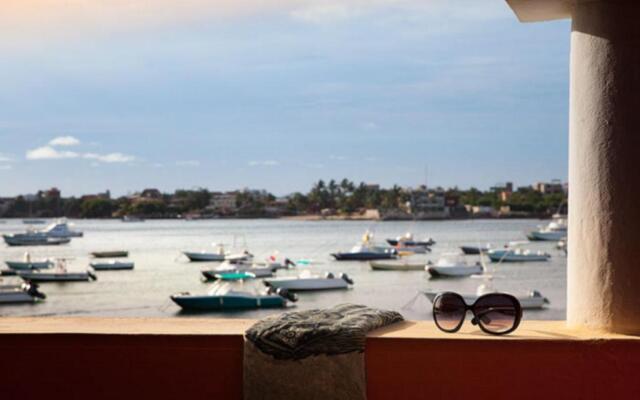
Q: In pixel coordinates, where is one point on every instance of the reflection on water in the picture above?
(160, 269)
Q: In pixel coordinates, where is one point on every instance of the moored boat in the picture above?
(517, 255)
(221, 297)
(366, 251)
(475, 250)
(453, 265)
(111, 265)
(24, 293)
(308, 282)
(408, 240)
(33, 240)
(110, 254)
(402, 265)
(27, 265)
(556, 230)
(57, 276)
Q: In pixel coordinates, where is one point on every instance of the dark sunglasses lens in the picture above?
(496, 313)
(448, 311)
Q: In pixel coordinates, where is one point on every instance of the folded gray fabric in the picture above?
(338, 330)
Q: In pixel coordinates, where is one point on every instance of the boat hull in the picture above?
(12, 240)
(454, 272)
(473, 250)
(203, 257)
(39, 277)
(500, 256)
(117, 266)
(363, 256)
(16, 296)
(307, 284)
(546, 236)
(227, 302)
(23, 265)
(396, 266)
(110, 254)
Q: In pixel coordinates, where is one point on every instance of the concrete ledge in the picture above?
(107, 358)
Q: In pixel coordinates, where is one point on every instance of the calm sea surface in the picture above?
(160, 269)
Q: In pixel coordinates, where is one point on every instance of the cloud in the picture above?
(188, 163)
(337, 157)
(64, 141)
(5, 167)
(49, 153)
(5, 158)
(266, 163)
(313, 165)
(110, 158)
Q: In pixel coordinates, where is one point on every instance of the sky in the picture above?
(267, 94)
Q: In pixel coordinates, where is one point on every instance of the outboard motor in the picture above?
(32, 290)
(92, 276)
(346, 278)
(329, 275)
(282, 292)
(289, 263)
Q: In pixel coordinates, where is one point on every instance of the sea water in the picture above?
(160, 270)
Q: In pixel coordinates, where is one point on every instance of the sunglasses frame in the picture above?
(476, 320)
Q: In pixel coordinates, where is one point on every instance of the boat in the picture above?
(231, 275)
(411, 249)
(60, 229)
(110, 254)
(54, 234)
(257, 270)
(402, 265)
(250, 273)
(475, 250)
(366, 251)
(556, 230)
(208, 256)
(308, 282)
(517, 255)
(22, 239)
(408, 240)
(58, 274)
(27, 265)
(24, 293)
(453, 265)
(221, 297)
(531, 300)
(111, 265)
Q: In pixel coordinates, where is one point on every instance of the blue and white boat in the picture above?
(367, 251)
(555, 231)
(517, 255)
(222, 298)
(453, 265)
(17, 294)
(306, 282)
(54, 234)
(111, 265)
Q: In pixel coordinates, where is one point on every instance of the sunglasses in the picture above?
(494, 313)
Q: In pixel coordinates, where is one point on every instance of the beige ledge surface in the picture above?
(528, 330)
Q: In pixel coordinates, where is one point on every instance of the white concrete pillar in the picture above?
(604, 167)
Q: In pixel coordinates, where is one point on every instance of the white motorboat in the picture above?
(556, 230)
(453, 265)
(24, 293)
(408, 240)
(401, 265)
(367, 251)
(517, 255)
(203, 256)
(531, 300)
(54, 234)
(308, 282)
(111, 265)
